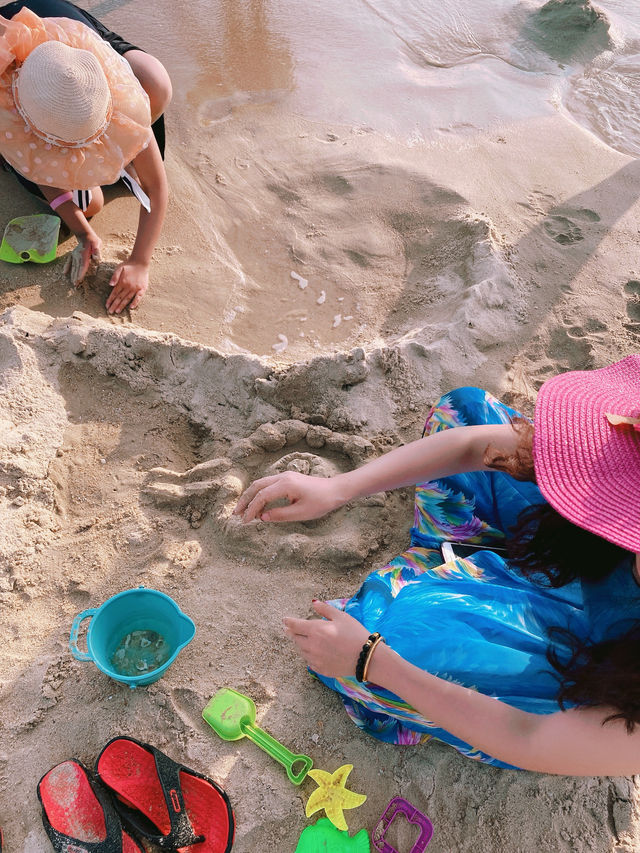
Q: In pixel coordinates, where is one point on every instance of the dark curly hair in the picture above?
(552, 551)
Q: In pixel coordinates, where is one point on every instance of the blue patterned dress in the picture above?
(473, 621)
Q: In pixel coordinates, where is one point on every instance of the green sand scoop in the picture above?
(31, 238)
(232, 716)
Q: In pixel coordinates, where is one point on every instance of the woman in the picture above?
(530, 660)
(76, 107)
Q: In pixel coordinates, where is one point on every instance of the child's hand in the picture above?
(331, 646)
(129, 282)
(87, 250)
(309, 497)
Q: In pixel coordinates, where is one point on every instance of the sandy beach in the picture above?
(323, 276)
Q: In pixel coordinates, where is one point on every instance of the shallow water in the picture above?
(270, 152)
(412, 68)
(140, 652)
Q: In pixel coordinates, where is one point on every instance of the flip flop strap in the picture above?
(181, 833)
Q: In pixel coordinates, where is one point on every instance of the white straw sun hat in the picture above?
(72, 112)
(63, 94)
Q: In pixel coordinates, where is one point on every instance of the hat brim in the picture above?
(100, 161)
(587, 468)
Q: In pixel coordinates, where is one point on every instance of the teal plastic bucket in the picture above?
(138, 609)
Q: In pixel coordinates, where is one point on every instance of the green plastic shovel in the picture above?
(232, 716)
(30, 238)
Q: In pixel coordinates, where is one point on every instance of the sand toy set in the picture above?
(136, 792)
(232, 716)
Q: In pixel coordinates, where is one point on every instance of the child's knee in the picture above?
(160, 92)
(96, 204)
(154, 79)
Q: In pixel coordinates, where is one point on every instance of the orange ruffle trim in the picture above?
(97, 163)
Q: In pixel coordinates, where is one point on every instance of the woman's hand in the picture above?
(331, 646)
(87, 250)
(309, 497)
(129, 281)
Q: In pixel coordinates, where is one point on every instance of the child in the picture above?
(73, 115)
(530, 660)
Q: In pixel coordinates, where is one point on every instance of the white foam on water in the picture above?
(605, 98)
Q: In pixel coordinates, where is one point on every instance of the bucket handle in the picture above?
(73, 637)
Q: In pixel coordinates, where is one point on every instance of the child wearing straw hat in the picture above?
(77, 103)
(522, 647)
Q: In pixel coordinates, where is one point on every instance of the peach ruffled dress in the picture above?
(68, 167)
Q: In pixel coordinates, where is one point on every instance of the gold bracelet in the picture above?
(369, 656)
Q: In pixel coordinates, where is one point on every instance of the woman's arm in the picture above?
(572, 742)
(131, 278)
(451, 451)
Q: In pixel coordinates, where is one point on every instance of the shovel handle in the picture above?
(280, 752)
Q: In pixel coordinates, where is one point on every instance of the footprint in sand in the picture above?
(538, 202)
(210, 491)
(632, 289)
(564, 224)
(572, 346)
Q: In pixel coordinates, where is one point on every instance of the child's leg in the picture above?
(154, 79)
(96, 204)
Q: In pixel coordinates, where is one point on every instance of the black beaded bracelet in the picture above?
(363, 658)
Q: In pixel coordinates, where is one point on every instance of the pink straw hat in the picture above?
(586, 449)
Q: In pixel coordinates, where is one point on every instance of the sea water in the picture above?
(415, 69)
(140, 652)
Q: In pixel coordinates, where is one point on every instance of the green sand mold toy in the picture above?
(232, 716)
(323, 837)
(31, 238)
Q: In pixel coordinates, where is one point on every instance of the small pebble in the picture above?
(282, 344)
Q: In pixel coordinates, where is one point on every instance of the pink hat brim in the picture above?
(587, 468)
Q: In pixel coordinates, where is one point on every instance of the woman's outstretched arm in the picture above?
(573, 742)
(451, 451)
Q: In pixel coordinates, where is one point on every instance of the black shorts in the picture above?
(64, 9)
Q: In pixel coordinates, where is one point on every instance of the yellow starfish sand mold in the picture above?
(332, 796)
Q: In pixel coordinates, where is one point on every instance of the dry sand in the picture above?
(493, 259)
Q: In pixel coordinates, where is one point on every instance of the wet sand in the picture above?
(493, 256)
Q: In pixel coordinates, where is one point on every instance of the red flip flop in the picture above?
(163, 801)
(78, 816)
